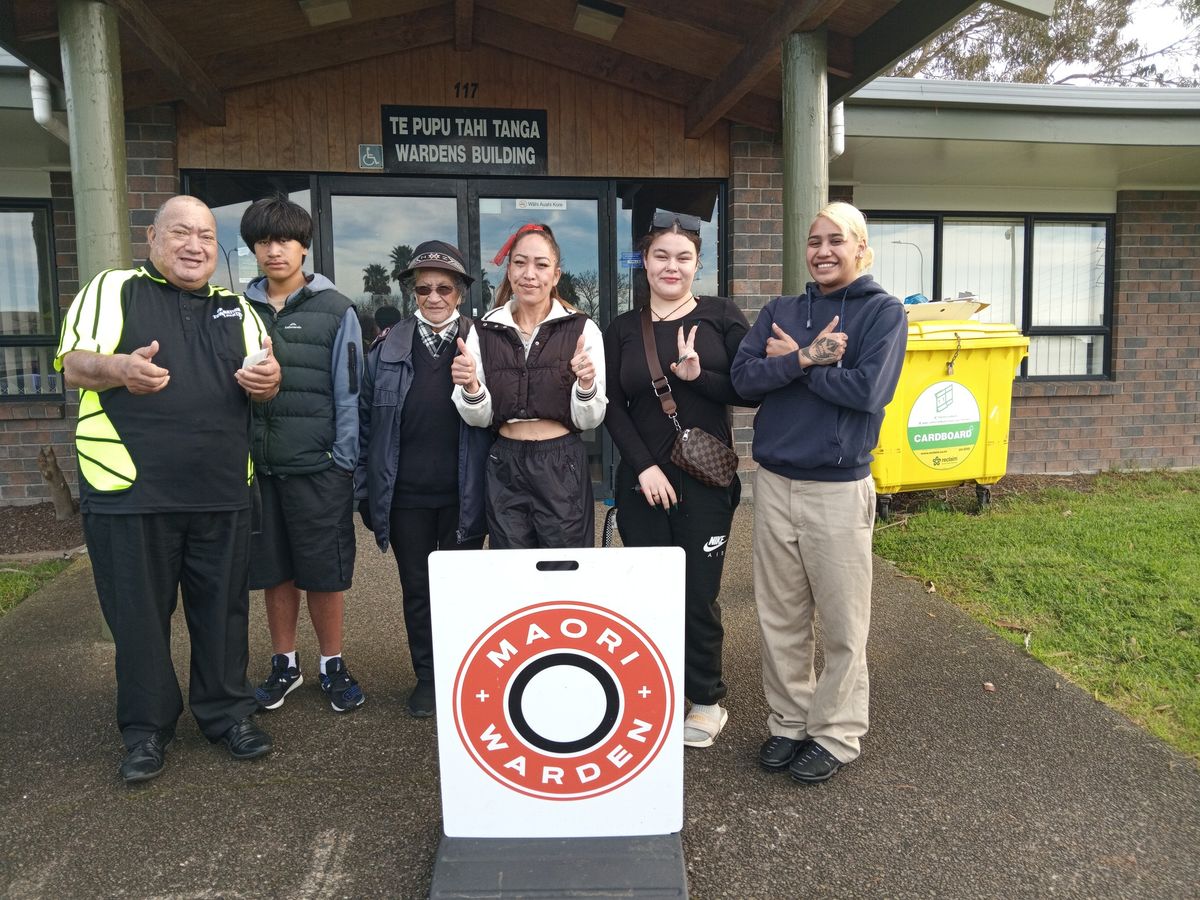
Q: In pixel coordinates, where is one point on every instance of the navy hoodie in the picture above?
(821, 423)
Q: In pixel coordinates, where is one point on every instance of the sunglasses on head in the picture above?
(664, 218)
(444, 290)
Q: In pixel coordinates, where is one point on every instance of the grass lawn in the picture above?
(1105, 584)
(19, 581)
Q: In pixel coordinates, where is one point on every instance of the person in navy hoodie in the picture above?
(824, 365)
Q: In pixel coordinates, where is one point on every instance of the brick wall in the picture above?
(755, 244)
(1147, 417)
(27, 426)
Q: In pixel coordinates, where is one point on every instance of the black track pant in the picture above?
(539, 494)
(140, 563)
(414, 534)
(700, 525)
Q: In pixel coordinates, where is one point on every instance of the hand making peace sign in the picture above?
(687, 366)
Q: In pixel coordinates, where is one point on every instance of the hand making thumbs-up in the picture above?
(582, 366)
(463, 369)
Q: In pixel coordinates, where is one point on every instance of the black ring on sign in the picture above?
(612, 702)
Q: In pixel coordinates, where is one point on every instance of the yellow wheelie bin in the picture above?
(948, 422)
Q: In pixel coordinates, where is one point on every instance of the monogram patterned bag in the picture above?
(695, 450)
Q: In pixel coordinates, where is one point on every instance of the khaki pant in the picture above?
(812, 554)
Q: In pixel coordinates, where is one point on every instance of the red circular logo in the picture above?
(563, 700)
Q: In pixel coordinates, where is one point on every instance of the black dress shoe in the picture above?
(422, 702)
(145, 759)
(813, 764)
(246, 740)
(777, 752)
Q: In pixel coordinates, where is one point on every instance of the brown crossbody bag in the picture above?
(695, 451)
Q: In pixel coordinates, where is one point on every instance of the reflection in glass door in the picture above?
(373, 238)
(576, 229)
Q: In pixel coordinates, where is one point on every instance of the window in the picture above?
(904, 256)
(29, 315)
(1049, 275)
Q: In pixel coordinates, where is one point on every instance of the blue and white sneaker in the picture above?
(282, 681)
(340, 687)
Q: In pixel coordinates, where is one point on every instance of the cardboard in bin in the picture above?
(938, 310)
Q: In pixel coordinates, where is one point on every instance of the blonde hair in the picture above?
(852, 223)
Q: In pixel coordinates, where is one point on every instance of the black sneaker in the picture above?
(777, 752)
(813, 764)
(340, 687)
(422, 702)
(282, 681)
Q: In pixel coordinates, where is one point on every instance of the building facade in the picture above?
(1076, 215)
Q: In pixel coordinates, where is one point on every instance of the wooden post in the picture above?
(805, 147)
(91, 58)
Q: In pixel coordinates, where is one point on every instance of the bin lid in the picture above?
(943, 310)
(931, 335)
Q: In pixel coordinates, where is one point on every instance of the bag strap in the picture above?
(658, 381)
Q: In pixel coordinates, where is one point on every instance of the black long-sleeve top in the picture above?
(635, 419)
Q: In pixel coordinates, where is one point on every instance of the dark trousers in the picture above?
(700, 525)
(141, 563)
(414, 534)
(539, 494)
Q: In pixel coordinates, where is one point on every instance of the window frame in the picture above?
(51, 339)
(1030, 220)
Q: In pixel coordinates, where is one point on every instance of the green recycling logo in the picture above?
(943, 425)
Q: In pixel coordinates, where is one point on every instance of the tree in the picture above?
(587, 289)
(1081, 43)
(376, 282)
(566, 289)
(401, 256)
(487, 291)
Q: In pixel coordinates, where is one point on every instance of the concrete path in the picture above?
(1034, 790)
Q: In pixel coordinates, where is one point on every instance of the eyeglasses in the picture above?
(664, 218)
(444, 290)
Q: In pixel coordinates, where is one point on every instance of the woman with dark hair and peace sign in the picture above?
(659, 504)
(534, 371)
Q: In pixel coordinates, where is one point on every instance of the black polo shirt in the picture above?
(190, 441)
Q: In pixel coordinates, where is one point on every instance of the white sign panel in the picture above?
(559, 692)
(541, 204)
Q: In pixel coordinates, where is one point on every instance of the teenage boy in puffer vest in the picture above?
(305, 448)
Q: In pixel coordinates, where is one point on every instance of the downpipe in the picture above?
(43, 108)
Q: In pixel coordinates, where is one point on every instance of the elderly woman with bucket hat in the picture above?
(420, 476)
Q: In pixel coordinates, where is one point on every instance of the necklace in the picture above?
(671, 312)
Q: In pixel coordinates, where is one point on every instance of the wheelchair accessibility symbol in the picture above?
(370, 156)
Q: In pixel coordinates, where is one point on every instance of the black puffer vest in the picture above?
(294, 432)
(537, 387)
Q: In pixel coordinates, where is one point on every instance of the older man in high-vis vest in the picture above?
(167, 366)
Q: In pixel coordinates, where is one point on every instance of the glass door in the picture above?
(371, 227)
(579, 215)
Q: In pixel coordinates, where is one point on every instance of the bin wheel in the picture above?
(883, 507)
(610, 526)
(983, 497)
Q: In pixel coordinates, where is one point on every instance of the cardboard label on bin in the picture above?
(559, 691)
(943, 425)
